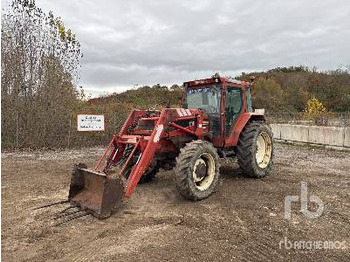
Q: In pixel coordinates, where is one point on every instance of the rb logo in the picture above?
(303, 204)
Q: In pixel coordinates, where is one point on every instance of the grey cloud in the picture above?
(148, 42)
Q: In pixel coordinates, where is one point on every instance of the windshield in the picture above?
(206, 98)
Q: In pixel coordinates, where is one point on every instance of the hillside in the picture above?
(283, 92)
(299, 84)
(284, 89)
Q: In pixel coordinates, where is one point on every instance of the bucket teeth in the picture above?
(69, 218)
(52, 204)
(66, 209)
(60, 215)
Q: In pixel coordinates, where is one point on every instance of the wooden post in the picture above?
(17, 129)
(69, 130)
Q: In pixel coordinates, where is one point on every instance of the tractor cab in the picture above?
(224, 100)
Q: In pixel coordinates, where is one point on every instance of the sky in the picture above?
(137, 42)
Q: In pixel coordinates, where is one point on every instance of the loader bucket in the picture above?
(95, 192)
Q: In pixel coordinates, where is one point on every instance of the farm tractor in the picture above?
(216, 120)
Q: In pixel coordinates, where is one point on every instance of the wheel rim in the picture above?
(204, 172)
(263, 150)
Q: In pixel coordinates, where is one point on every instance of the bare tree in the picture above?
(39, 69)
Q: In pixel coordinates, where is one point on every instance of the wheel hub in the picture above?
(201, 170)
(263, 150)
(204, 171)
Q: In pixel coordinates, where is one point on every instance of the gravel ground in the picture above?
(242, 221)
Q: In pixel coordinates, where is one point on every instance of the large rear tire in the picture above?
(197, 170)
(255, 150)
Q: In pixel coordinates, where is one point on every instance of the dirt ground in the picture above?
(242, 221)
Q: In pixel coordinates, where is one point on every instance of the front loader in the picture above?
(216, 120)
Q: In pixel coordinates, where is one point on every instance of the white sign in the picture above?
(91, 122)
(260, 111)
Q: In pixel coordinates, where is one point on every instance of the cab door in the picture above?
(233, 108)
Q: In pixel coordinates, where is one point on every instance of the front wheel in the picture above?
(255, 150)
(197, 170)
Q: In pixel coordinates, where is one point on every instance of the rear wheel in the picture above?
(255, 150)
(197, 170)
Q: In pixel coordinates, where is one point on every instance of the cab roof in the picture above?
(216, 80)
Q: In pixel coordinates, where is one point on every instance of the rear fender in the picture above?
(242, 121)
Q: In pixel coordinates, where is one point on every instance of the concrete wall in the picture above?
(323, 135)
(347, 137)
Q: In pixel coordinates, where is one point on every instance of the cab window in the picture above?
(233, 107)
(249, 101)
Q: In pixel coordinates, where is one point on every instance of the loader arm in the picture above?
(147, 154)
(105, 187)
(148, 145)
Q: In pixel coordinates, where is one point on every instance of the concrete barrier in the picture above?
(300, 133)
(293, 132)
(286, 132)
(326, 135)
(323, 135)
(315, 135)
(347, 137)
(276, 130)
(334, 136)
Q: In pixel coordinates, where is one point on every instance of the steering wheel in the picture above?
(212, 109)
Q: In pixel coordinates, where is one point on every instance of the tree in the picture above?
(266, 93)
(295, 91)
(39, 67)
(314, 108)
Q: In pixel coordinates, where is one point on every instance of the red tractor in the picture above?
(216, 120)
